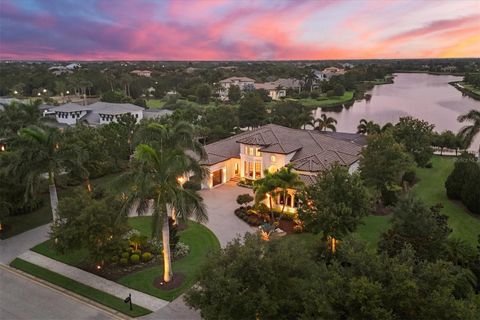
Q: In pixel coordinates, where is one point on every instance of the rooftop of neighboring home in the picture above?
(237, 79)
(287, 83)
(313, 151)
(99, 107)
(266, 86)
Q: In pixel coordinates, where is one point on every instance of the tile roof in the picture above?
(313, 151)
(114, 108)
(231, 79)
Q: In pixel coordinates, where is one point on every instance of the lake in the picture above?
(420, 95)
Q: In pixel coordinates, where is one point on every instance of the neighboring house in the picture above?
(288, 83)
(96, 113)
(142, 73)
(46, 109)
(449, 69)
(327, 73)
(245, 156)
(274, 91)
(241, 82)
(58, 70)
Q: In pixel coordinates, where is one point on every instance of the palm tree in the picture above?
(368, 127)
(36, 153)
(323, 123)
(156, 167)
(469, 132)
(273, 184)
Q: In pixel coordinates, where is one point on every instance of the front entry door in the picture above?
(217, 177)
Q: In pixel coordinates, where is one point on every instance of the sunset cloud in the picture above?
(237, 30)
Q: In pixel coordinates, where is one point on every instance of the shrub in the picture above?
(125, 255)
(192, 98)
(114, 259)
(137, 252)
(244, 199)
(155, 245)
(409, 176)
(338, 90)
(465, 168)
(471, 193)
(135, 258)
(192, 185)
(123, 261)
(330, 93)
(314, 94)
(429, 165)
(181, 250)
(146, 256)
(297, 229)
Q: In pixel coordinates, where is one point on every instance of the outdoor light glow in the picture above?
(2, 147)
(68, 92)
(99, 267)
(15, 92)
(44, 90)
(181, 180)
(38, 94)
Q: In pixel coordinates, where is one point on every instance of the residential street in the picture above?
(22, 298)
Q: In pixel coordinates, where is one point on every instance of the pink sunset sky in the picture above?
(237, 29)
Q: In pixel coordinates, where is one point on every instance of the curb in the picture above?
(113, 313)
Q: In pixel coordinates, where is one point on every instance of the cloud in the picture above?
(230, 30)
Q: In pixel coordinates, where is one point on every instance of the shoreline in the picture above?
(466, 91)
(434, 73)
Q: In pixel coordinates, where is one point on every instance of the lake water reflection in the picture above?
(420, 95)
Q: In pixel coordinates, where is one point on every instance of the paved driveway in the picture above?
(221, 202)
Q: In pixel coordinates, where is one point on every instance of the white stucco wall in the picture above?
(137, 114)
(228, 168)
(69, 118)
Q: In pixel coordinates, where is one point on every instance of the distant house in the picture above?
(242, 82)
(96, 113)
(58, 70)
(449, 69)
(142, 73)
(246, 156)
(327, 73)
(274, 91)
(288, 83)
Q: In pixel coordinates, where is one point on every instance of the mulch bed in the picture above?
(115, 271)
(175, 282)
(287, 226)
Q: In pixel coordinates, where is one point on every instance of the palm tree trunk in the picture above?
(167, 262)
(53, 196)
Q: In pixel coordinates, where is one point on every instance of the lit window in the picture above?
(273, 159)
(257, 152)
(250, 151)
(246, 150)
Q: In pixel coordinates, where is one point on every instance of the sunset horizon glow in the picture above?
(238, 30)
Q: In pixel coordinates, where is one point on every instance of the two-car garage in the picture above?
(217, 177)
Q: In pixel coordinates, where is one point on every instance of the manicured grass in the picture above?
(431, 188)
(471, 88)
(372, 228)
(198, 237)
(326, 101)
(79, 288)
(155, 103)
(200, 240)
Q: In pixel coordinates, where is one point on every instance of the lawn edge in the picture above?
(70, 290)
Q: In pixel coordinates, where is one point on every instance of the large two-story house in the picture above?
(247, 155)
(242, 82)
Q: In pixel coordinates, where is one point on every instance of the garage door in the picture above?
(217, 177)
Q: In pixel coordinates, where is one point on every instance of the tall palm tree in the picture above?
(266, 187)
(323, 123)
(36, 153)
(469, 132)
(156, 167)
(287, 179)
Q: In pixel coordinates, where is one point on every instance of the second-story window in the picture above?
(273, 159)
(250, 151)
(257, 152)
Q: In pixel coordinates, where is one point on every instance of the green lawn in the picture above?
(155, 103)
(372, 228)
(471, 88)
(199, 238)
(79, 288)
(431, 189)
(326, 101)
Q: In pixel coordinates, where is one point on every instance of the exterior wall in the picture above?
(223, 92)
(228, 173)
(113, 118)
(354, 167)
(277, 94)
(250, 158)
(280, 160)
(69, 118)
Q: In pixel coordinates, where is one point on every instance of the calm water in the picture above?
(423, 96)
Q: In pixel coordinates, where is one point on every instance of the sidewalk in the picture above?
(10, 248)
(102, 284)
